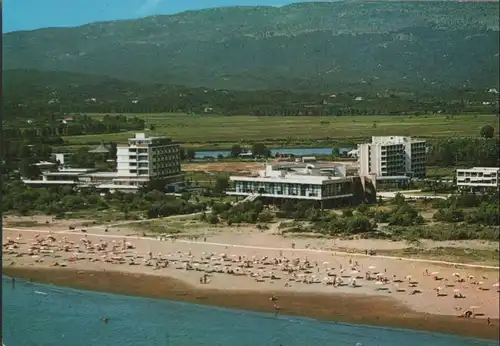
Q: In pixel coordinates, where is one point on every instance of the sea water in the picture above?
(45, 315)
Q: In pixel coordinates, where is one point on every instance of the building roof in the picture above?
(101, 149)
(76, 170)
(50, 182)
(58, 174)
(293, 179)
(395, 140)
(117, 187)
(145, 180)
(317, 165)
(393, 177)
(480, 169)
(103, 174)
(45, 163)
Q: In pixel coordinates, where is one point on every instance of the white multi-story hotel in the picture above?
(317, 182)
(141, 160)
(478, 178)
(391, 156)
(148, 158)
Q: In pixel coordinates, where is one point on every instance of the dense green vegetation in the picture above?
(31, 119)
(310, 46)
(56, 125)
(31, 94)
(471, 208)
(59, 201)
(465, 152)
(396, 219)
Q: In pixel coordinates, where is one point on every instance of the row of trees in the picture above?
(456, 151)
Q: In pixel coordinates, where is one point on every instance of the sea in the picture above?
(45, 315)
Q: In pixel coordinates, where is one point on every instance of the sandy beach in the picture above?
(309, 282)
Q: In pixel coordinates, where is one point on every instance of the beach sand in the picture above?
(345, 308)
(306, 290)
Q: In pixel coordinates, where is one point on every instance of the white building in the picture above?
(63, 176)
(390, 156)
(317, 182)
(478, 177)
(141, 160)
(144, 159)
(64, 159)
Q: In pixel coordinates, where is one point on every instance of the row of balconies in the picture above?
(477, 175)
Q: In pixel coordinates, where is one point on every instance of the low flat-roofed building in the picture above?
(298, 181)
(478, 178)
(63, 176)
(45, 164)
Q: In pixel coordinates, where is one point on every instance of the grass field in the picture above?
(285, 131)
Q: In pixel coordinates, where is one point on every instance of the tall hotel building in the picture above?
(392, 156)
(148, 158)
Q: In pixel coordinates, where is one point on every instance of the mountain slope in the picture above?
(309, 46)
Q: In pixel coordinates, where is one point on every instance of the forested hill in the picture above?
(28, 93)
(357, 46)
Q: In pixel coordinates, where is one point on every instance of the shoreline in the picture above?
(337, 307)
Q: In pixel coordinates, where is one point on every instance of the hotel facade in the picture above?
(297, 181)
(139, 161)
(393, 156)
(144, 159)
(478, 178)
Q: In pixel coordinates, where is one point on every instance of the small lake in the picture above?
(274, 151)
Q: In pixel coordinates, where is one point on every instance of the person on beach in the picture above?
(13, 282)
(488, 321)
(276, 309)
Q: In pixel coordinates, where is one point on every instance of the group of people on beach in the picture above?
(290, 271)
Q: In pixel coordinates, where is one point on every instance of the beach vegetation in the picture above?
(396, 219)
(20, 199)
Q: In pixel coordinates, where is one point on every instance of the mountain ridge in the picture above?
(302, 46)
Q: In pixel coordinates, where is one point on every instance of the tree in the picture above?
(236, 150)
(221, 183)
(190, 154)
(259, 149)
(335, 152)
(487, 131)
(29, 170)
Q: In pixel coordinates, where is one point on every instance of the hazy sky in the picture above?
(34, 14)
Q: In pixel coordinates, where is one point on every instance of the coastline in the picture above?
(340, 307)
